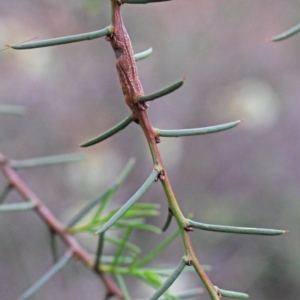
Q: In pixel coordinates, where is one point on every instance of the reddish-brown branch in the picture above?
(46, 215)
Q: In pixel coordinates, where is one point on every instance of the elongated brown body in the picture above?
(126, 65)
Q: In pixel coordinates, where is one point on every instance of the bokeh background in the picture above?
(248, 176)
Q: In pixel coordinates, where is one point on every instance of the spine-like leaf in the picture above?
(108, 133)
(143, 55)
(168, 221)
(53, 244)
(64, 40)
(99, 252)
(196, 131)
(233, 229)
(121, 246)
(108, 193)
(17, 207)
(11, 109)
(286, 34)
(173, 87)
(46, 160)
(142, 1)
(169, 281)
(232, 295)
(130, 202)
(5, 192)
(47, 276)
(117, 241)
(122, 286)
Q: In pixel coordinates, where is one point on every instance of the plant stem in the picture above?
(132, 90)
(46, 215)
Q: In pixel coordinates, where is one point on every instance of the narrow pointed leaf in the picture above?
(130, 202)
(107, 195)
(117, 241)
(173, 87)
(17, 207)
(232, 295)
(64, 40)
(142, 1)
(143, 55)
(286, 34)
(169, 281)
(7, 109)
(123, 124)
(47, 160)
(167, 271)
(121, 246)
(186, 294)
(141, 226)
(47, 276)
(5, 192)
(122, 286)
(108, 259)
(233, 229)
(196, 131)
(153, 253)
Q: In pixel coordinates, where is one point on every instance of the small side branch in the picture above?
(143, 55)
(169, 89)
(123, 124)
(286, 34)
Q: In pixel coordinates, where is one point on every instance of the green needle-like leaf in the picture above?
(123, 124)
(17, 207)
(173, 87)
(99, 251)
(7, 109)
(122, 286)
(46, 160)
(232, 295)
(137, 225)
(233, 229)
(64, 40)
(108, 259)
(130, 202)
(169, 281)
(196, 131)
(142, 1)
(47, 276)
(121, 246)
(187, 294)
(105, 197)
(117, 241)
(168, 221)
(143, 55)
(286, 34)
(153, 253)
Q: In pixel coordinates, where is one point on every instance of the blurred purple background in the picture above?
(248, 176)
